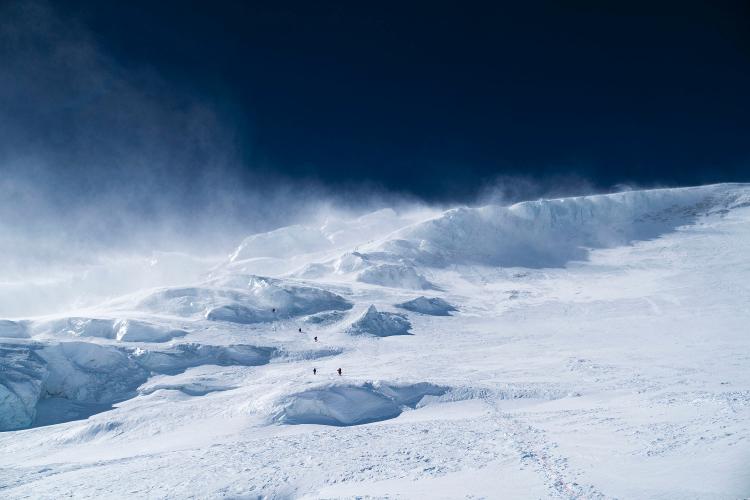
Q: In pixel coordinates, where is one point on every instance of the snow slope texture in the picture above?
(616, 348)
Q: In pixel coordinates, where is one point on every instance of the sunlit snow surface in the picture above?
(591, 347)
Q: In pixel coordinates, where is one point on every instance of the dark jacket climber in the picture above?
(339, 370)
(315, 371)
(316, 339)
(300, 329)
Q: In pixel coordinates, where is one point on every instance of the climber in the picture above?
(300, 329)
(339, 370)
(316, 338)
(315, 371)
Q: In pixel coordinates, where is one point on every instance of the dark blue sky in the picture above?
(436, 99)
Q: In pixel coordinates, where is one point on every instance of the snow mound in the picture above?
(13, 329)
(244, 299)
(178, 358)
(395, 276)
(550, 233)
(379, 324)
(345, 405)
(432, 306)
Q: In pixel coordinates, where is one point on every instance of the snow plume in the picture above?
(114, 179)
(91, 151)
(102, 165)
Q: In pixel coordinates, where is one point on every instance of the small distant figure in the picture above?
(316, 338)
(339, 370)
(300, 329)
(273, 310)
(315, 371)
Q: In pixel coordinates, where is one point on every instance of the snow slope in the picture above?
(590, 347)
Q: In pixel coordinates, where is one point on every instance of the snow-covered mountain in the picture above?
(582, 347)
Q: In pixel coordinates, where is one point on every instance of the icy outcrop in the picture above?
(344, 405)
(244, 299)
(395, 276)
(431, 306)
(550, 233)
(380, 324)
(13, 329)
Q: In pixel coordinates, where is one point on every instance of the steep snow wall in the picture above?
(334, 233)
(22, 375)
(49, 383)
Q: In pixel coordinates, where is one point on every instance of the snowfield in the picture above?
(588, 347)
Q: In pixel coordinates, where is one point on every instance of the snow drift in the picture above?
(344, 405)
